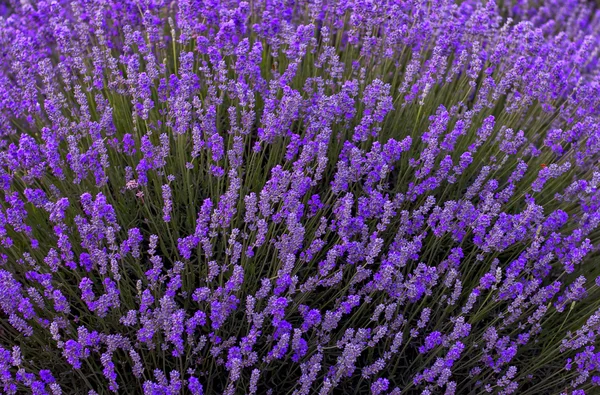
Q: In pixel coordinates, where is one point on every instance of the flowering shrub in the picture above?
(299, 197)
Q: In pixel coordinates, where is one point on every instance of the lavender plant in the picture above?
(299, 197)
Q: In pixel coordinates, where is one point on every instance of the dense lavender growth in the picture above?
(299, 197)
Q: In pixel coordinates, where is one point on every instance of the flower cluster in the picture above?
(300, 197)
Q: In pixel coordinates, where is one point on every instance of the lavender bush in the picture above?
(299, 197)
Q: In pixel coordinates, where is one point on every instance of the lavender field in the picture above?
(298, 197)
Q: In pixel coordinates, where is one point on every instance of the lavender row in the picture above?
(299, 197)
